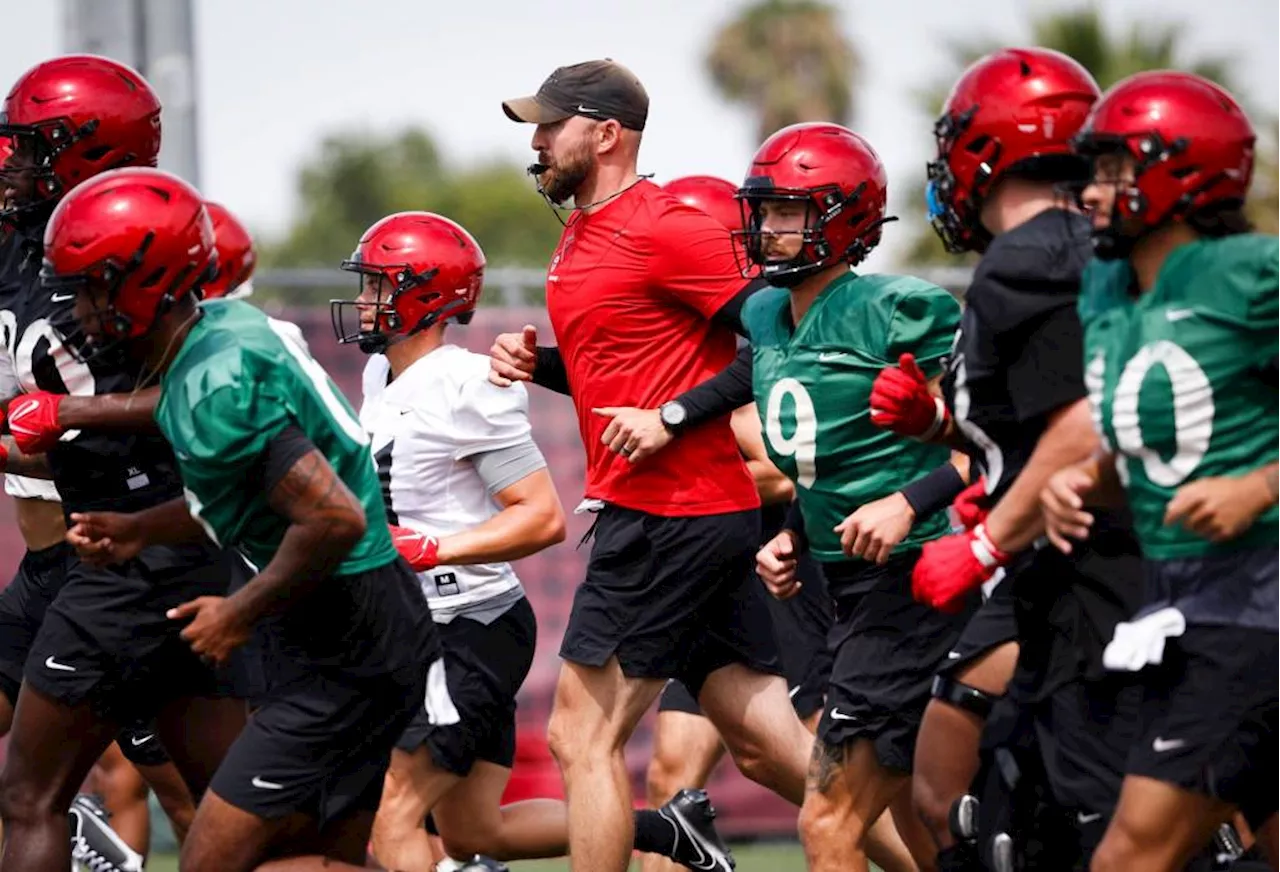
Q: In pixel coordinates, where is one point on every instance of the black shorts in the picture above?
(22, 608)
(992, 625)
(888, 647)
(672, 597)
(141, 746)
(484, 665)
(320, 740)
(106, 638)
(1209, 717)
(800, 625)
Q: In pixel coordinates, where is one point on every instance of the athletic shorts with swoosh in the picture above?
(888, 647)
(346, 670)
(23, 604)
(800, 625)
(106, 638)
(1209, 715)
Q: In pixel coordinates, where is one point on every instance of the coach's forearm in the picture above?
(549, 372)
(129, 412)
(722, 393)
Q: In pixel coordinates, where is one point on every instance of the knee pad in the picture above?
(962, 696)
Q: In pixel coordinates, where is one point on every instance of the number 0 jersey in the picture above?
(237, 382)
(812, 385)
(1181, 379)
(427, 426)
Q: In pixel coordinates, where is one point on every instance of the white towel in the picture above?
(1140, 643)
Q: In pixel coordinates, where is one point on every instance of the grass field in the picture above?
(779, 857)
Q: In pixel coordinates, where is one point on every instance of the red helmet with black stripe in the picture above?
(71, 118)
(1192, 148)
(237, 255)
(841, 181)
(1013, 111)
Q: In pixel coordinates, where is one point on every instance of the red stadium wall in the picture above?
(550, 577)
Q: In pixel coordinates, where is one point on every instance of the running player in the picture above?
(467, 490)
(274, 463)
(1015, 401)
(102, 654)
(1180, 315)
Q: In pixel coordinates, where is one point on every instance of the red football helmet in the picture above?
(1191, 143)
(74, 117)
(237, 256)
(1009, 112)
(141, 237)
(840, 179)
(424, 268)
(716, 197)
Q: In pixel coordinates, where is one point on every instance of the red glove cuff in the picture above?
(985, 550)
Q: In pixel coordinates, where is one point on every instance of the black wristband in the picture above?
(935, 491)
(795, 523)
(549, 371)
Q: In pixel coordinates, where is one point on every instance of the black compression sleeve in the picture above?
(283, 451)
(720, 394)
(795, 523)
(934, 491)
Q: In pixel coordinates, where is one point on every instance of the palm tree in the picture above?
(788, 61)
(1109, 56)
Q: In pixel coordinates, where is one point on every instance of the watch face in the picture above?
(673, 413)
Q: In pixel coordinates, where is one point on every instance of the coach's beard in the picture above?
(558, 184)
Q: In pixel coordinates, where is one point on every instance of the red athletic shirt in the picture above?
(630, 291)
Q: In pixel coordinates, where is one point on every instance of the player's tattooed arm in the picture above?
(325, 523)
(14, 462)
(129, 412)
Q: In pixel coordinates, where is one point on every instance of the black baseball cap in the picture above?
(601, 90)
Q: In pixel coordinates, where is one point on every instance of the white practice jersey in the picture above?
(425, 428)
(19, 485)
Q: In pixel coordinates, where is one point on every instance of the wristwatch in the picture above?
(673, 416)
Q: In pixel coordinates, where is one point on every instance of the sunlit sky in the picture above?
(274, 76)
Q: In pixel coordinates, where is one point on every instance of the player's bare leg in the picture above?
(686, 748)
(1266, 836)
(173, 795)
(412, 787)
(472, 821)
(946, 759)
(224, 838)
(1157, 827)
(42, 776)
(125, 794)
(772, 747)
(596, 710)
(847, 791)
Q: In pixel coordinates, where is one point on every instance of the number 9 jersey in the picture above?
(1182, 379)
(812, 384)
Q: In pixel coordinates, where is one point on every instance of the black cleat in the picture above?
(698, 845)
(95, 847)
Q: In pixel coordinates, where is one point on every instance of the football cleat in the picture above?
(698, 845)
(95, 847)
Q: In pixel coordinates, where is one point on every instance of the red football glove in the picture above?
(419, 550)
(901, 402)
(968, 510)
(33, 421)
(951, 567)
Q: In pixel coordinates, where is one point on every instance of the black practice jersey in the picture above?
(1019, 353)
(93, 470)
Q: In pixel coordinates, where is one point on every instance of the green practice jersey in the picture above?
(1177, 381)
(812, 385)
(238, 381)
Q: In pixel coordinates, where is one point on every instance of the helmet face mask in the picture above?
(378, 323)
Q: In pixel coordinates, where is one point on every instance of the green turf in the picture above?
(751, 858)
